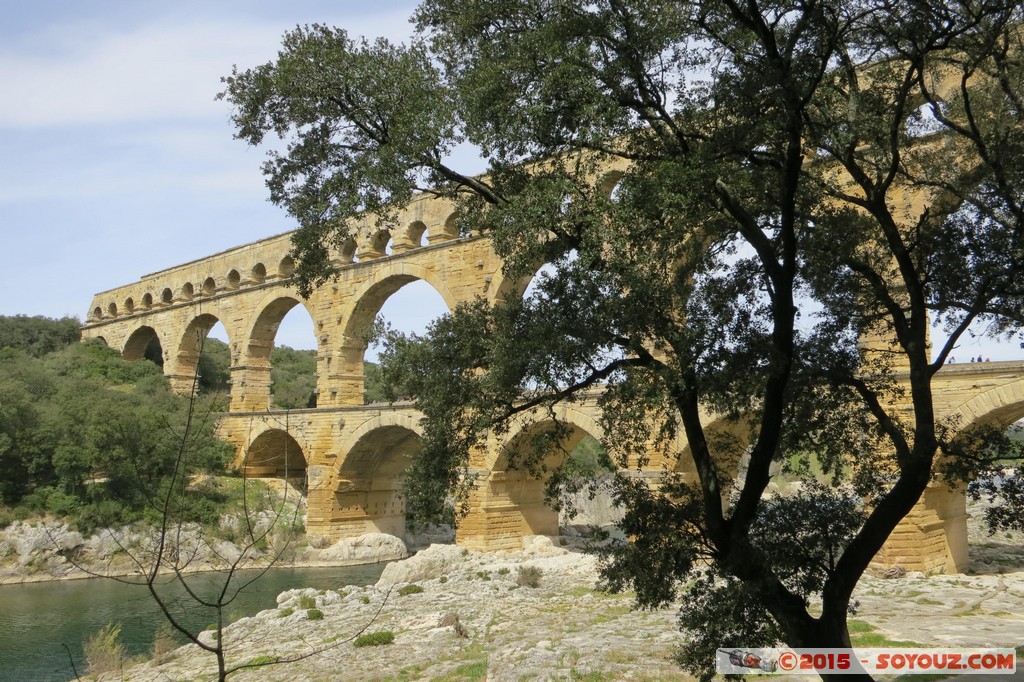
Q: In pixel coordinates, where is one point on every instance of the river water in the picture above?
(43, 625)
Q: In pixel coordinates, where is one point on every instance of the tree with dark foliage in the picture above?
(804, 188)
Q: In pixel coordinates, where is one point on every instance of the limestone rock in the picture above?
(370, 548)
(432, 562)
(541, 545)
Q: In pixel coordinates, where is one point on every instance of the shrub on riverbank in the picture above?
(375, 639)
(104, 651)
(92, 438)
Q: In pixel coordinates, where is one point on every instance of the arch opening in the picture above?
(381, 244)
(346, 252)
(147, 300)
(281, 358)
(166, 296)
(234, 279)
(209, 286)
(988, 551)
(403, 303)
(191, 370)
(215, 362)
(258, 274)
(370, 478)
(144, 344)
(286, 267)
(555, 478)
(417, 234)
(276, 454)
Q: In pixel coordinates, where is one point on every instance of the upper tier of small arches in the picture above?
(375, 244)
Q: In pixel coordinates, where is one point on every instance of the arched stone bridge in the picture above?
(350, 455)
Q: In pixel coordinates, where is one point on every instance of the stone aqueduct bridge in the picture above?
(352, 455)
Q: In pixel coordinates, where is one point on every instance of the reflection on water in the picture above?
(42, 625)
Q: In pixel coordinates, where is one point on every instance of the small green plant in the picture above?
(443, 579)
(314, 614)
(261, 660)
(529, 576)
(284, 613)
(409, 589)
(465, 552)
(104, 651)
(364, 599)
(476, 670)
(307, 602)
(379, 638)
(504, 570)
(483, 575)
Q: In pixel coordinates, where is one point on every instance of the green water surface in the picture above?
(43, 625)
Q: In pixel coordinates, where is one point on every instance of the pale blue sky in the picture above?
(117, 160)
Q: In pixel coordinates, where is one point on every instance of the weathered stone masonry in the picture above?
(350, 455)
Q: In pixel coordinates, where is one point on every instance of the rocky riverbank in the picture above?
(470, 618)
(52, 550)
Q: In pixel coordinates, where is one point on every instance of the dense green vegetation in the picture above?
(293, 373)
(87, 435)
(38, 335)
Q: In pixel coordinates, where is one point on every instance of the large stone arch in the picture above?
(250, 378)
(729, 440)
(511, 503)
(185, 355)
(933, 536)
(578, 420)
(362, 310)
(144, 343)
(275, 453)
(368, 482)
(1000, 405)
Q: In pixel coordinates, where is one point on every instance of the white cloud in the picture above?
(161, 70)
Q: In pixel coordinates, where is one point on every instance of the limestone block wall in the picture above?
(249, 290)
(350, 456)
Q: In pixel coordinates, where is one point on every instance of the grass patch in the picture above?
(379, 638)
(306, 602)
(314, 614)
(864, 634)
(413, 672)
(593, 676)
(409, 589)
(477, 670)
(261, 660)
(284, 613)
